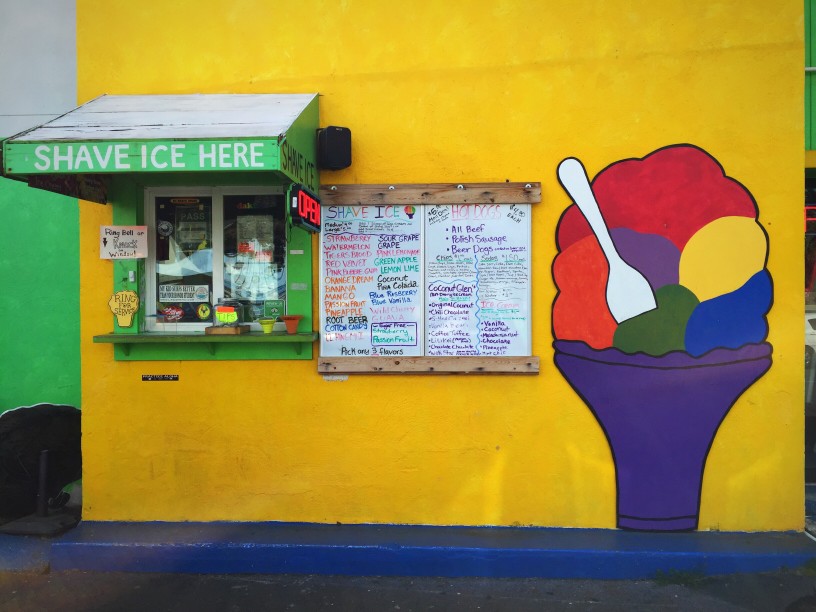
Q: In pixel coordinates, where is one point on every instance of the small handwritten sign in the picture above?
(123, 242)
(390, 333)
(123, 305)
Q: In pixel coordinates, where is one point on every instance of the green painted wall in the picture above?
(39, 274)
(39, 234)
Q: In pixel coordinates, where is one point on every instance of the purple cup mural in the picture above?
(660, 320)
(660, 416)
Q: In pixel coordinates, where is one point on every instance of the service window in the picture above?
(210, 244)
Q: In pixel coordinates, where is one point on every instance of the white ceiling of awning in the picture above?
(199, 117)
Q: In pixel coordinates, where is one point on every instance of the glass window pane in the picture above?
(184, 269)
(254, 250)
(810, 241)
(810, 329)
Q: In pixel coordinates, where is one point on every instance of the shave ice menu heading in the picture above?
(442, 280)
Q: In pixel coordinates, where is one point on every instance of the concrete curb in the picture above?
(419, 550)
(24, 554)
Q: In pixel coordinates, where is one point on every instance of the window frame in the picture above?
(134, 343)
(216, 193)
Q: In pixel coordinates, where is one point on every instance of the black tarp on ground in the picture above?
(24, 433)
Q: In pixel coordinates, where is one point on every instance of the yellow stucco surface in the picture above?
(449, 92)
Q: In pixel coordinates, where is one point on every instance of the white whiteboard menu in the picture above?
(435, 280)
(371, 281)
(477, 280)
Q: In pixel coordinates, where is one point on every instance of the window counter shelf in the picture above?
(127, 340)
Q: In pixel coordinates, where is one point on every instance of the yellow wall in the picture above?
(449, 92)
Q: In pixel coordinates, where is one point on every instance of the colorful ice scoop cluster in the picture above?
(693, 233)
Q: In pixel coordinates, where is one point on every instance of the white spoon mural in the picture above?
(628, 293)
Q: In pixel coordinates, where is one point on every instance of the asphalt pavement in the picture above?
(75, 591)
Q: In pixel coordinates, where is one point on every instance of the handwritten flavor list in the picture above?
(477, 280)
(371, 269)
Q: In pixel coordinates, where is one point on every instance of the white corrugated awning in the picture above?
(171, 117)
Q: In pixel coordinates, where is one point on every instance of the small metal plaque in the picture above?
(160, 377)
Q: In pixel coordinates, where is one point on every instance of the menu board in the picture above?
(371, 281)
(477, 279)
(435, 280)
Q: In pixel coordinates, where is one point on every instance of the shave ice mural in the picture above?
(659, 322)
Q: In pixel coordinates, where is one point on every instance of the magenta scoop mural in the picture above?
(660, 318)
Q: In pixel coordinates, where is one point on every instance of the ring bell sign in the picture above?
(123, 242)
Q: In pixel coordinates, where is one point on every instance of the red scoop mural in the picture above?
(672, 193)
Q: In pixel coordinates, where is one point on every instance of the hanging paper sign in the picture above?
(123, 242)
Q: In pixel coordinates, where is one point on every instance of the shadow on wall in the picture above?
(25, 433)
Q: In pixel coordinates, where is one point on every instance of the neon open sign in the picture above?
(304, 208)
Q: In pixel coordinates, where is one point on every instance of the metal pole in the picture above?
(42, 485)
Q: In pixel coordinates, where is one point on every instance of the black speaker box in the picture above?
(334, 148)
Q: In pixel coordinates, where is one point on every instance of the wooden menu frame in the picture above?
(423, 195)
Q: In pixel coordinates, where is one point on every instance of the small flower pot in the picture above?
(267, 325)
(291, 322)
